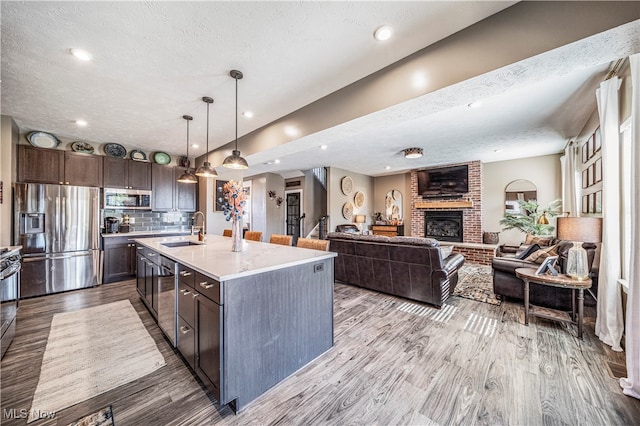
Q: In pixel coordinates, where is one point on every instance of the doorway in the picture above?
(293, 224)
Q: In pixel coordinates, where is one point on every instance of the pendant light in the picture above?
(187, 176)
(206, 170)
(235, 161)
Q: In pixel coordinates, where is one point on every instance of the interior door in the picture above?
(293, 213)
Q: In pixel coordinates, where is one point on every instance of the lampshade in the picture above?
(583, 229)
(187, 176)
(579, 230)
(360, 218)
(206, 170)
(235, 161)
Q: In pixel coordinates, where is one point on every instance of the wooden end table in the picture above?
(529, 275)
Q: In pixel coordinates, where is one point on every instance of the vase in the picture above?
(236, 234)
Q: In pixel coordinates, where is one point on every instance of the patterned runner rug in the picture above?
(475, 282)
(92, 351)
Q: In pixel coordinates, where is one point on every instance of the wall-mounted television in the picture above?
(452, 181)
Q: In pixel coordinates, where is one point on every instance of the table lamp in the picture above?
(360, 218)
(579, 230)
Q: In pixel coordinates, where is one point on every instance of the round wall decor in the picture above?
(358, 199)
(346, 184)
(347, 210)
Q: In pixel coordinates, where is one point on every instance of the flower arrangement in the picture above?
(235, 200)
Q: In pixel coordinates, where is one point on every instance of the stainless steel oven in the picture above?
(10, 265)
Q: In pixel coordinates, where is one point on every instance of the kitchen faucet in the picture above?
(194, 221)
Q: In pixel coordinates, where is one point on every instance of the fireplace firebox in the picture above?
(444, 225)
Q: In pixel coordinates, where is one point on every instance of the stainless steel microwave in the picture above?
(126, 199)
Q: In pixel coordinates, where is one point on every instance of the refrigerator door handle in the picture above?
(56, 236)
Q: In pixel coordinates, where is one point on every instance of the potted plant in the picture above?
(533, 219)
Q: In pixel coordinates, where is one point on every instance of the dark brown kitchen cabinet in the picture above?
(119, 259)
(129, 174)
(168, 193)
(208, 343)
(41, 165)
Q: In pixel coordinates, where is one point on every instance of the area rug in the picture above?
(103, 417)
(92, 351)
(475, 282)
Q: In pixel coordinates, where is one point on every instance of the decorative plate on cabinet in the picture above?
(358, 199)
(115, 150)
(347, 210)
(161, 158)
(346, 184)
(83, 147)
(43, 140)
(138, 155)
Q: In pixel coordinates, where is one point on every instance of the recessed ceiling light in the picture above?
(83, 55)
(291, 131)
(323, 147)
(81, 123)
(475, 104)
(195, 145)
(497, 150)
(276, 161)
(383, 33)
(387, 168)
(247, 114)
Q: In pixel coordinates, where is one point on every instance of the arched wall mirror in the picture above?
(393, 204)
(519, 190)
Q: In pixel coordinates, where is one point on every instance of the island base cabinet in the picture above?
(274, 324)
(208, 360)
(186, 341)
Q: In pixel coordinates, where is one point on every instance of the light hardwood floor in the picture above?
(394, 362)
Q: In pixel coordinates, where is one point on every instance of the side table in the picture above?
(528, 275)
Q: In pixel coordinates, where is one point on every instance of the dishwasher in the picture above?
(166, 297)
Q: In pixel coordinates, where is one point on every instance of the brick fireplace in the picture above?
(471, 215)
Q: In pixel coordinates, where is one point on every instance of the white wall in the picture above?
(336, 199)
(543, 171)
(8, 139)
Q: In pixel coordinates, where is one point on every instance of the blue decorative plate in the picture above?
(138, 155)
(115, 150)
(43, 140)
(161, 158)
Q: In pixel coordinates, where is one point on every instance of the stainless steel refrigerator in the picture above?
(59, 231)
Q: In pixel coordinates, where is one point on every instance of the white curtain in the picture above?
(631, 383)
(569, 179)
(609, 322)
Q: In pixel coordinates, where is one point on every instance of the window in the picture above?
(625, 197)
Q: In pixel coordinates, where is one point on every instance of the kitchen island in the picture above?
(243, 321)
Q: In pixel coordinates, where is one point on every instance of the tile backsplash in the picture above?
(144, 220)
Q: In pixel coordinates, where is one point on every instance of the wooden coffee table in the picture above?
(528, 275)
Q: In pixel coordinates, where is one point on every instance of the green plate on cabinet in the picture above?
(161, 158)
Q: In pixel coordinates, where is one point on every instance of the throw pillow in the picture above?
(541, 241)
(445, 251)
(527, 251)
(540, 255)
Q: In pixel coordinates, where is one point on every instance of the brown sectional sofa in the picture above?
(402, 266)
(506, 283)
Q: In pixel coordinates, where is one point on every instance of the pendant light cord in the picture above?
(236, 79)
(207, 131)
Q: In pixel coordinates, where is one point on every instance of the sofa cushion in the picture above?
(540, 255)
(527, 250)
(541, 241)
(445, 251)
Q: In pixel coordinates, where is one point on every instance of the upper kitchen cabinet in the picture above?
(41, 165)
(168, 193)
(128, 174)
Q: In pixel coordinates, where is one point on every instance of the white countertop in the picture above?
(141, 233)
(215, 259)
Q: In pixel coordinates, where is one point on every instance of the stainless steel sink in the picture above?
(181, 244)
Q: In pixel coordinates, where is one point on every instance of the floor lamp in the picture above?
(579, 230)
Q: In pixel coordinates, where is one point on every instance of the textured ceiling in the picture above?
(153, 61)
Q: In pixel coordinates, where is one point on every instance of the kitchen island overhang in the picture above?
(274, 312)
